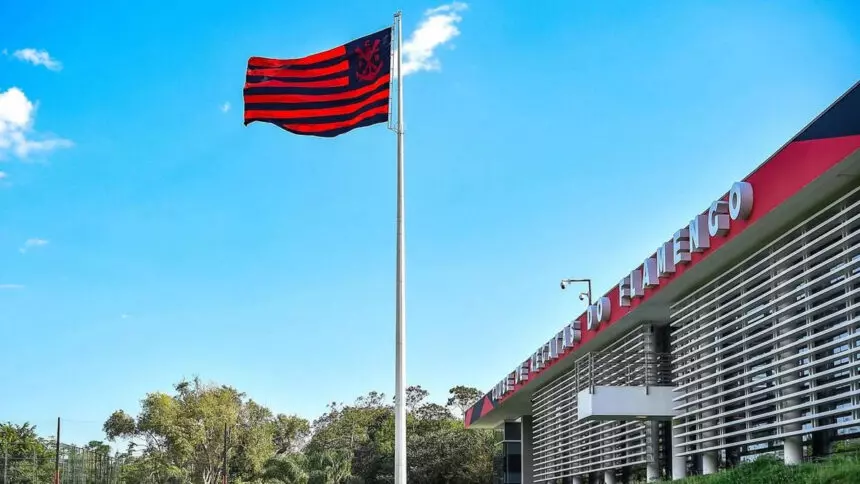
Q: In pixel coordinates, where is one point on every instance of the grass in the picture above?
(768, 470)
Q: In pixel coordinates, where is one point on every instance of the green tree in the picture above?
(462, 397)
(178, 438)
(440, 449)
(289, 469)
(25, 455)
(181, 436)
(433, 412)
(415, 396)
(329, 467)
(364, 431)
(290, 433)
(450, 454)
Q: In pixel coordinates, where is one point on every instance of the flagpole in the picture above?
(400, 292)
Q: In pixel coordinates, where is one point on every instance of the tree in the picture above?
(440, 449)
(415, 395)
(181, 436)
(345, 427)
(119, 424)
(450, 454)
(251, 440)
(433, 412)
(178, 438)
(25, 455)
(462, 398)
(290, 433)
(290, 469)
(329, 467)
(371, 400)
(98, 447)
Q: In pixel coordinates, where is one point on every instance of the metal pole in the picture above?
(400, 291)
(57, 457)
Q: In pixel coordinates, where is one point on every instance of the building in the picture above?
(739, 335)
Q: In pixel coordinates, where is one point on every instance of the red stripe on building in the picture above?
(781, 176)
(486, 407)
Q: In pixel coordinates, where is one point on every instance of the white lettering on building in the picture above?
(681, 246)
(700, 239)
(718, 219)
(604, 309)
(665, 261)
(649, 273)
(695, 238)
(624, 295)
(740, 201)
(636, 289)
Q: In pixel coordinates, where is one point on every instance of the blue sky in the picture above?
(168, 240)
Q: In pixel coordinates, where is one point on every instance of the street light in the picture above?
(582, 295)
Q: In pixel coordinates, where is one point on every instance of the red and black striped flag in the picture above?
(323, 94)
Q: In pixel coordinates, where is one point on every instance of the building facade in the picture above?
(740, 335)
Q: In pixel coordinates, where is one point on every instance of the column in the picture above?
(609, 476)
(710, 463)
(792, 445)
(527, 452)
(652, 456)
(679, 462)
(710, 459)
(793, 452)
(652, 429)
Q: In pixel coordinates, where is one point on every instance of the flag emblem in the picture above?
(369, 61)
(324, 94)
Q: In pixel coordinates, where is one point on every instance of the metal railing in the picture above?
(565, 446)
(640, 368)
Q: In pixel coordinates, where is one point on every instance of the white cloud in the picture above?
(3, 175)
(124, 316)
(32, 243)
(37, 58)
(15, 108)
(11, 286)
(438, 27)
(225, 107)
(17, 116)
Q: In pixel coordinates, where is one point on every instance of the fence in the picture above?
(36, 464)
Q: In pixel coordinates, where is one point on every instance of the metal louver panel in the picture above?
(770, 348)
(564, 446)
